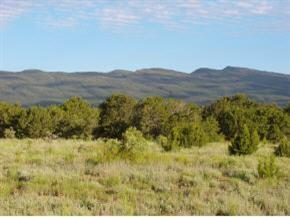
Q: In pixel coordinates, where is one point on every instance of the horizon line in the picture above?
(140, 69)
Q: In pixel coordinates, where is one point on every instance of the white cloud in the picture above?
(119, 18)
(129, 13)
(11, 9)
(62, 23)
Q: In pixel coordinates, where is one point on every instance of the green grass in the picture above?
(66, 177)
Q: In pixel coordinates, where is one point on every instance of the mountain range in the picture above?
(202, 86)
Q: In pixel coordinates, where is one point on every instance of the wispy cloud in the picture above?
(112, 14)
(119, 19)
(11, 9)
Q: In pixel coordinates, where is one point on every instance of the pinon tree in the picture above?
(231, 113)
(244, 142)
(151, 115)
(57, 115)
(188, 113)
(9, 115)
(79, 119)
(35, 122)
(187, 135)
(116, 115)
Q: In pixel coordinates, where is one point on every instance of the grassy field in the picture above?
(63, 177)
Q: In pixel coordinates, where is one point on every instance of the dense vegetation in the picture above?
(175, 123)
(76, 159)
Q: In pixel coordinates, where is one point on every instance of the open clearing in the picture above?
(62, 177)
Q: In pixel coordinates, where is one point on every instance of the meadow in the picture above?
(69, 177)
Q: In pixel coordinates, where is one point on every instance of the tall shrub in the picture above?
(267, 167)
(116, 115)
(283, 150)
(79, 119)
(133, 145)
(187, 135)
(244, 142)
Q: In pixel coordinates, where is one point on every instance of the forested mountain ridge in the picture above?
(201, 86)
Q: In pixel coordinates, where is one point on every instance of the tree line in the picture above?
(172, 122)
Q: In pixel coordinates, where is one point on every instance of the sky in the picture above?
(103, 35)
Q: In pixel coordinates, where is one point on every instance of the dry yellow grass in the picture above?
(61, 177)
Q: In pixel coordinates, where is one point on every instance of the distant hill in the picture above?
(201, 86)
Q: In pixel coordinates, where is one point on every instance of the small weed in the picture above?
(187, 181)
(16, 175)
(110, 182)
(267, 167)
(69, 158)
(239, 174)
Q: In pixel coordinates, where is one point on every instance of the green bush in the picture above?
(244, 142)
(274, 134)
(267, 167)
(116, 115)
(108, 151)
(57, 117)
(165, 144)
(9, 133)
(231, 113)
(187, 135)
(151, 115)
(35, 122)
(9, 117)
(187, 113)
(255, 140)
(283, 150)
(234, 112)
(211, 127)
(228, 121)
(130, 148)
(133, 145)
(79, 119)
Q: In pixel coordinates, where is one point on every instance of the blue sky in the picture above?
(103, 35)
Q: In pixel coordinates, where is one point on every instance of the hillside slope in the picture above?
(201, 86)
